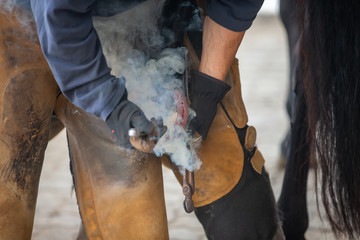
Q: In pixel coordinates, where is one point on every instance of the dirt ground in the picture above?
(264, 70)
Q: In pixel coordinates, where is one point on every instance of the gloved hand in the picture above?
(128, 115)
(205, 93)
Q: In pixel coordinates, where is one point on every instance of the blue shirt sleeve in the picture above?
(236, 15)
(72, 48)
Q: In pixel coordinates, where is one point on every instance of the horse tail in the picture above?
(330, 52)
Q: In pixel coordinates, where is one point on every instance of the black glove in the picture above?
(205, 93)
(127, 115)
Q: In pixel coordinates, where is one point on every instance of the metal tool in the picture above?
(188, 178)
(188, 190)
(145, 142)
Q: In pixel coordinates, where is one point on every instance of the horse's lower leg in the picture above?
(289, 19)
(292, 201)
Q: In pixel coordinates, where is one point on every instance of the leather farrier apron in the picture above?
(119, 191)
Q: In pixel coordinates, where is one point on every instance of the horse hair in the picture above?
(330, 52)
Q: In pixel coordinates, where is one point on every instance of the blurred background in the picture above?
(263, 62)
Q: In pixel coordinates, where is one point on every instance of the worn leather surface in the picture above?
(119, 191)
(220, 171)
(27, 98)
(241, 206)
(248, 212)
(232, 101)
(257, 161)
(55, 127)
(250, 138)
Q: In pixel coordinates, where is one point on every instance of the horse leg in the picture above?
(27, 98)
(292, 201)
(289, 20)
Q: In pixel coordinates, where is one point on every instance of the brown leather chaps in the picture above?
(119, 191)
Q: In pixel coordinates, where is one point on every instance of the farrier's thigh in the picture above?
(119, 191)
(27, 97)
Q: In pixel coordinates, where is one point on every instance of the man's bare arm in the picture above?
(219, 48)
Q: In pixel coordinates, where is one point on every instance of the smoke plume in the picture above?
(135, 49)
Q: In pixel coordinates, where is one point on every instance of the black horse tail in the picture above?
(330, 51)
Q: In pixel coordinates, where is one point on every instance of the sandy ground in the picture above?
(263, 66)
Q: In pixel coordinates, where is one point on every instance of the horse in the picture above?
(324, 42)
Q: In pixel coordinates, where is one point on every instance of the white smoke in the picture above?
(150, 82)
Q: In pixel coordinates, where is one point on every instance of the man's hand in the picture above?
(205, 93)
(128, 115)
(145, 142)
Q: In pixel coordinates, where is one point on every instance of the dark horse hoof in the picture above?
(294, 218)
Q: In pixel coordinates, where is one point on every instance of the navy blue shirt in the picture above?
(72, 48)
